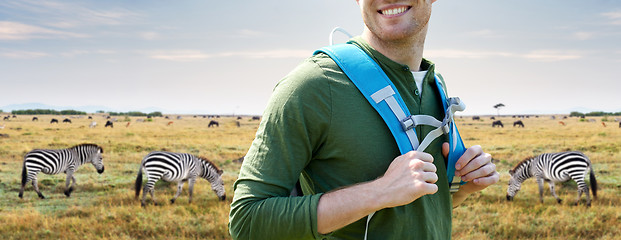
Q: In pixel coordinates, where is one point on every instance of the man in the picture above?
(320, 129)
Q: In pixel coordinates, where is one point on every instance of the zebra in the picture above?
(552, 168)
(54, 161)
(177, 167)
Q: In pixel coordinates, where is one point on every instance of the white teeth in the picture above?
(394, 11)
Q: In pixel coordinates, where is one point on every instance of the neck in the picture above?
(407, 51)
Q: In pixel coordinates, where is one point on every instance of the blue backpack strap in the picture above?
(377, 88)
(457, 147)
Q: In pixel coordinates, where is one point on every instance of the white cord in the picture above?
(339, 29)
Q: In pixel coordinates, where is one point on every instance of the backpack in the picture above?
(381, 93)
(383, 96)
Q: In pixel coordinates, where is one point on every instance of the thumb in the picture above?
(445, 149)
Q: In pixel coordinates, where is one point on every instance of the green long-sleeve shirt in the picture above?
(320, 129)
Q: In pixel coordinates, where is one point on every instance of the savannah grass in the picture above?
(103, 206)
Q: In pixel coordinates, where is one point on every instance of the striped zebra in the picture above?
(54, 161)
(177, 167)
(552, 168)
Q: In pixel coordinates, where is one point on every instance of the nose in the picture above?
(223, 198)
(509, 198)
(100, 171)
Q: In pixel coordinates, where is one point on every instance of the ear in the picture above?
(511, 172)
(220, 172)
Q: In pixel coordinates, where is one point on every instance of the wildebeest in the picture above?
(35, 119)
(256, 118)
(213, 123)
(619, 124)
(67, 120)
(109, 124)
(476, 118)
(54, 120)
(6, 118)
(497, 123)
(518, 123)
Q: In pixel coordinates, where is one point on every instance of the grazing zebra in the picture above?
(54, 161)
(552, 168)
(177, 167)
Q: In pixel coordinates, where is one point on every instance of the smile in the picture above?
(393, 11)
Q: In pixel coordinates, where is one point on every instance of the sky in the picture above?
(225, 57)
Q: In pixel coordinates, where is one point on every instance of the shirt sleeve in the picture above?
(292, 128)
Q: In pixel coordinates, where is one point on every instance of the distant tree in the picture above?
(576, 114)
(155, 114)
(497, 107)
(46, 112)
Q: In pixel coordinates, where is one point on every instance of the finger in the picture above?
(470, 154)
(483, 171)
(429, 188)
(487, 180)
(431, 177)
(475, 164)
(423, 156)
(430, 167)
(445, 149)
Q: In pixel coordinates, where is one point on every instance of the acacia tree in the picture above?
(497, 107)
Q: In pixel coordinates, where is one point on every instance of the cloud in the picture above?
(75, 53)
(269, 54)
(149, 35)
(535, 55)
(614, 17)
(197, 55)
(551, 55)
(20, 31)
(179, 55)
(584, 35)
(453, 53)
(67, 15)
(247, 33)
(484, 33)
(21, 54)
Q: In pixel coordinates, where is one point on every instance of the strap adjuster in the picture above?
(408, 123)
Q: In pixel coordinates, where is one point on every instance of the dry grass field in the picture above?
(103, 206)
